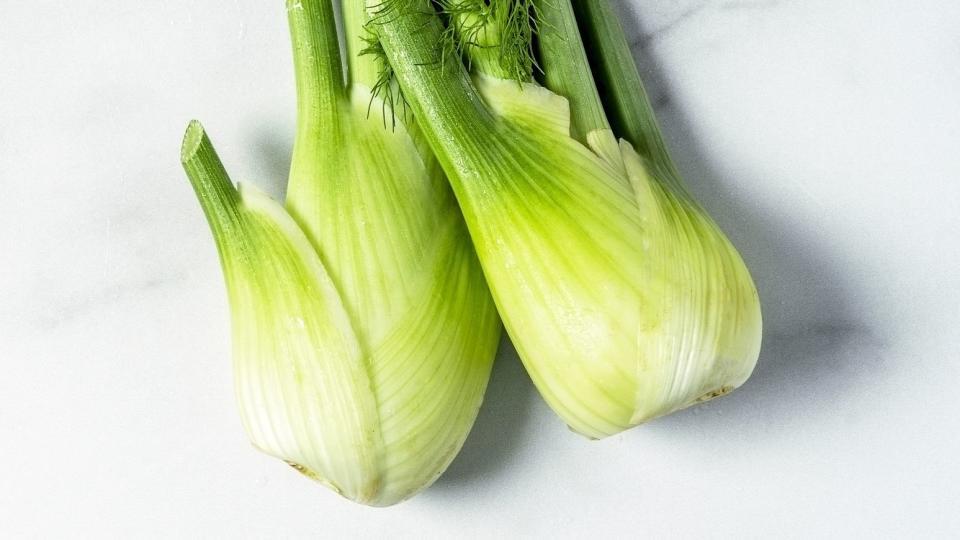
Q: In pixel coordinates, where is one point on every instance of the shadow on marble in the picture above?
(273, 150)
(498, 431)
(815, 348)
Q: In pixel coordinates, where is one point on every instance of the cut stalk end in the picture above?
(192, 140)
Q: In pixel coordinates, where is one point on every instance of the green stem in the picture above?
(316, 60)
(320, 98)
(628, 105)
(218, 196)
(361, 68)
(566, 68)
(450, 113)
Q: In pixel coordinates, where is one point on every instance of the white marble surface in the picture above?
(822, 135)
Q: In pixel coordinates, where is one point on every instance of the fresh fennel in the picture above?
(363, 330)
(624, 299)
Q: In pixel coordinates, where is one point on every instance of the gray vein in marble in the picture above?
(75, 308)
(749, 4)
(644, 39)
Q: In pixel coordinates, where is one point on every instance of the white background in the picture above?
(824, 136)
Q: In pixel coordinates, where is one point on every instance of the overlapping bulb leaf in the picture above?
(623, 298)
(363, 330)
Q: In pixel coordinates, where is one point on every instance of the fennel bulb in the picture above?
(624, 299)
(363, 331)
